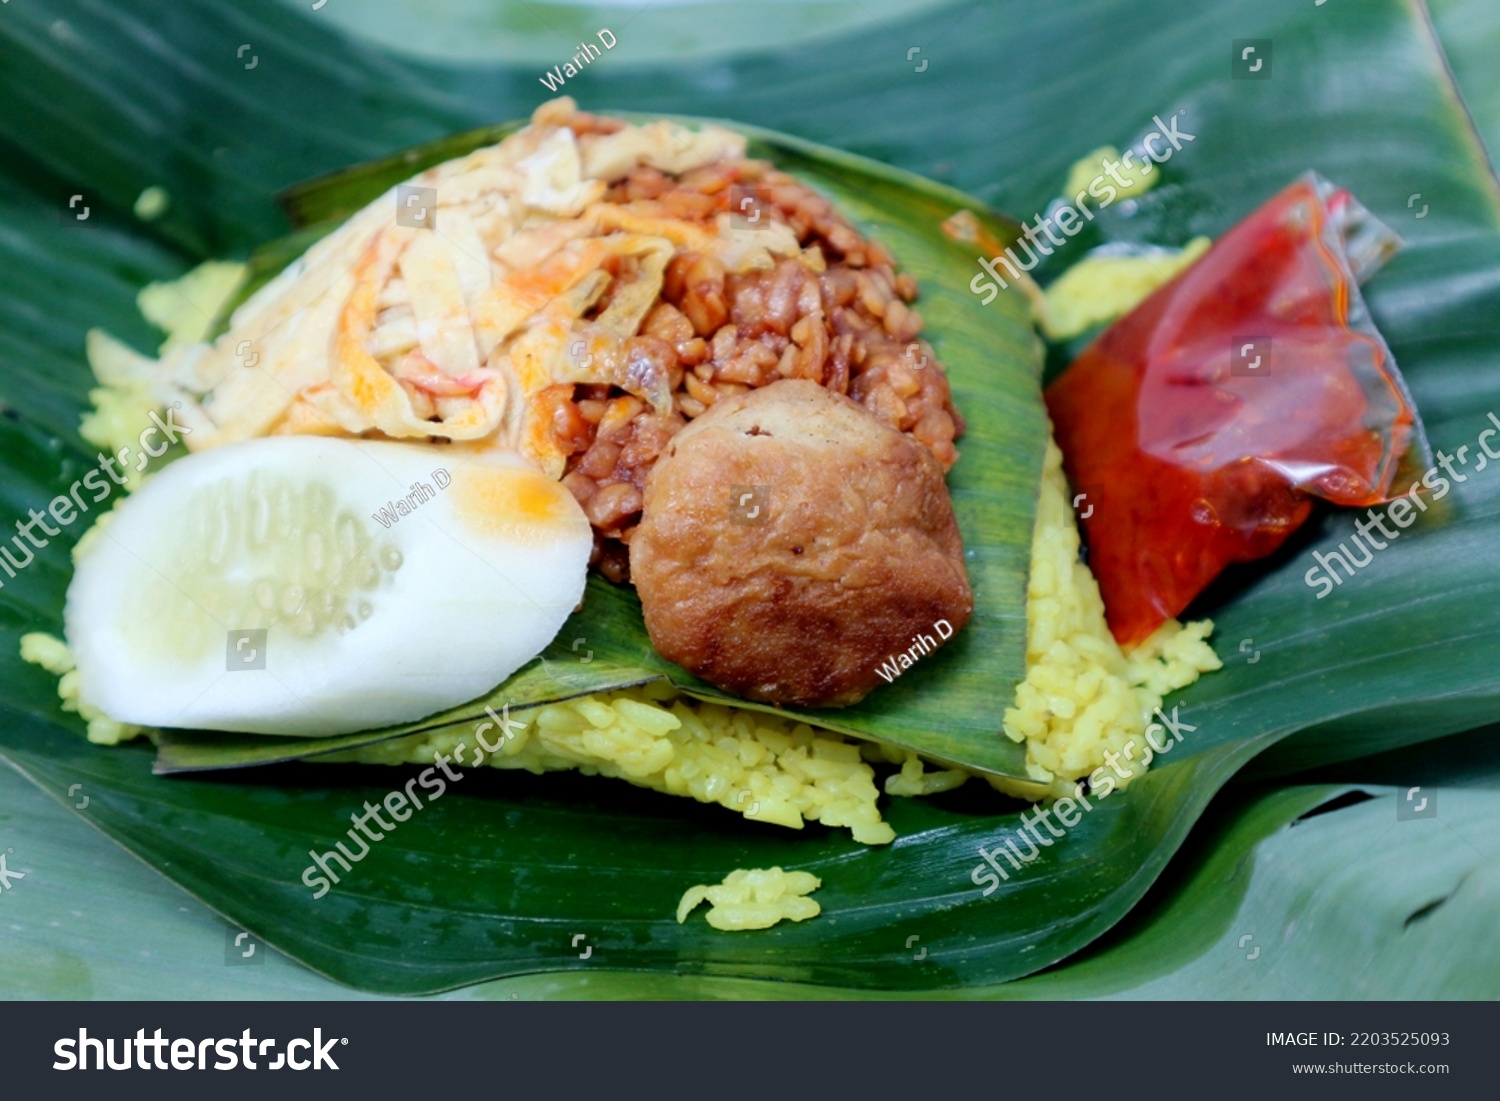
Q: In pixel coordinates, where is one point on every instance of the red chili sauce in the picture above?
(1200, 426)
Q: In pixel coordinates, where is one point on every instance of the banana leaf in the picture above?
(1259, 901)
(497, 879)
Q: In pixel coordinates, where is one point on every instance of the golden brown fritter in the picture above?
(791, 542)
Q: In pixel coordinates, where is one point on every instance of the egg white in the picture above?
(391, 581)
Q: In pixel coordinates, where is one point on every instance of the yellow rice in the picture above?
(754, 898)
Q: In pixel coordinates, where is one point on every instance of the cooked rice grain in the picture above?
(754, 898)
(1083, 696)
(767, 768)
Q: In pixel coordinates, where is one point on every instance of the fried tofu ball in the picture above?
(790, 542)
